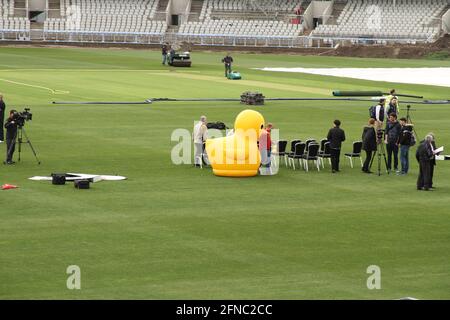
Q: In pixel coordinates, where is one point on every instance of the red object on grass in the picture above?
(8, 187)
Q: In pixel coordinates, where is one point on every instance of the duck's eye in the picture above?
(262, 126)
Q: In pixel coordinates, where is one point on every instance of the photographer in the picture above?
(228, 60)
(369, 138)
(405, 141)
(392, 135)
(11, 134)
(2, 118)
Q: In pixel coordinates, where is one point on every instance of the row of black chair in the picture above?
(311, 150)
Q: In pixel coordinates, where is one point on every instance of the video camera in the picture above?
(380, 134)
(21, 117)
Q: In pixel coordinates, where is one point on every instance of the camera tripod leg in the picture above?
(379, 163)
(19, 142)
(383, 149)
(373, 158)
(23, 132)
(379, 153)
(409, 119)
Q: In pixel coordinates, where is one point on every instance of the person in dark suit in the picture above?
(2, 117)
(11, 135)
(424, 156)
(335, 136)
(433, 161)
(369, 139)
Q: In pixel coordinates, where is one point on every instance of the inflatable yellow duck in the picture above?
(237, 155)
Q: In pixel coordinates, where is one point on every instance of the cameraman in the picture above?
(2, 117)
(392, 136)
(11, 134)
(369, 138)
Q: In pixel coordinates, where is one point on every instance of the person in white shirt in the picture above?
(379, 112)
(200, 135)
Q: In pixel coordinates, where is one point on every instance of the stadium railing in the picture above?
(103, 37)
(289, 42)
(241, 40)
(14, 35)
(204, 39)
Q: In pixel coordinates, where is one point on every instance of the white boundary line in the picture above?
(34, 86)
(102, 70)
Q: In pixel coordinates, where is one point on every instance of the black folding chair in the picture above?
(291, 152)
(322, 144)
(311, 155)
(325, 153)
(357, 147)
(281, 150)
(299, 150)
(308, 142)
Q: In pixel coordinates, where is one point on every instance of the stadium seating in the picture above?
(241, 28)
(407, 19)
(248, 6)
(7, 19)
(6, 8)
(120, 16)
(236, 19)
(219, 17)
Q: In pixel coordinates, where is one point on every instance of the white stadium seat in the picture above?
(102, 16)
(407, 19)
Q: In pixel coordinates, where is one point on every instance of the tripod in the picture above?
(409, 119)
(381, 152)
(20, 134)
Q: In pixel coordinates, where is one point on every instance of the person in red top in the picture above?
(265, 145)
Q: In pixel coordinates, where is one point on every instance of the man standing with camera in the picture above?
(2, 118)
(11, 134)
(392, 136)
(336, 136)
